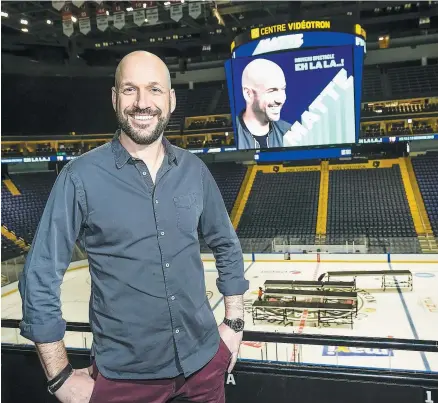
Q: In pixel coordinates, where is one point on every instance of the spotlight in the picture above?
(24, 22)
(24, 29)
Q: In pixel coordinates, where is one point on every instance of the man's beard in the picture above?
(135, 134)
(262, 113)
(259, 112)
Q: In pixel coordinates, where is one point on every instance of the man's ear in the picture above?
(172, 100)
(247, 95)
(114, 98)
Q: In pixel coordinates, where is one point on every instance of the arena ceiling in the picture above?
(205, 38)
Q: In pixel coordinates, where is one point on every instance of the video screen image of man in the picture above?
(264, 91)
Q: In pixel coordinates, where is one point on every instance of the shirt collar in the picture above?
(122, 156)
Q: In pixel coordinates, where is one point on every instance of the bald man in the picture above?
(135, 204)
(264, 91)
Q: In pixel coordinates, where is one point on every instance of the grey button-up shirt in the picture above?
(149, 312)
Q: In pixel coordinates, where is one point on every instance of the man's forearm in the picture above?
(234, 306)
(53, 357)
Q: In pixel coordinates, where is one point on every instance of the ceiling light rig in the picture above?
(217, 14)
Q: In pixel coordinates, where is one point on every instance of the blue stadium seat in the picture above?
(426, 171)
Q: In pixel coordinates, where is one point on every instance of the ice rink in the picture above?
(397, 312)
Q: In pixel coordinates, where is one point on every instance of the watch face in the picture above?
(238, 324)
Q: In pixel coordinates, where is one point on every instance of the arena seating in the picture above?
(379, 83)
(413, 81)
(422, 127)
(223, 104)
(372, 130)
(11, 151)
(229, 178)
(283, 205)
(9, 249)
(403, 109)
(201, 99)
(217, 123)
(22, 214)
(177, 118)
(426, 171)
(372, 84)
(398, 129)
(363, 204)
(195, 143)
(370, 204)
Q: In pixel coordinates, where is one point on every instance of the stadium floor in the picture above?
(397, 313)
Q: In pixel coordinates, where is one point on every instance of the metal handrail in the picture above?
(295, 338)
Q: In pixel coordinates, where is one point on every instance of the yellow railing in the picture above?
(321, 224)
(242, 197)
(12, 237)
(11, 187)
(418, 197)
(416, 217)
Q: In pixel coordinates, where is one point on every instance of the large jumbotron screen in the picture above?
(304, 95)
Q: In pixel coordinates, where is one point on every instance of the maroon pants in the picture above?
(204, 386)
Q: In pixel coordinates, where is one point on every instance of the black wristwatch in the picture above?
(236, 324)
(54, 384)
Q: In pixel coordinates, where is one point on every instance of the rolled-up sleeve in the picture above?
(48, 259)
(220, 236)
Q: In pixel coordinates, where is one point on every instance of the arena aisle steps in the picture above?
(11, 187)
(417, 207)
(12, 237)
(410, 197)
(242, 198)
(321, 224)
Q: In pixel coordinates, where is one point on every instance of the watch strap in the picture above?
(232, 323)
(54, 384)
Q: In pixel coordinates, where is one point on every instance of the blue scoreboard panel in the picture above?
(296, 84)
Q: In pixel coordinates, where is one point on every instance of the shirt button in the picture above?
(156, 201)
(167, 264)
(144, 173)
(172, 297)
(177, 331)
(162, 233)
